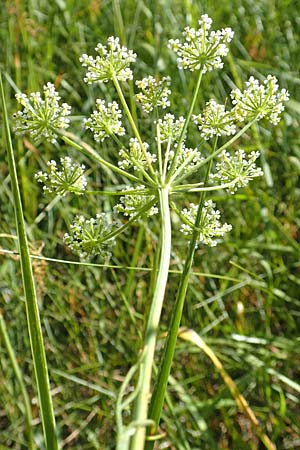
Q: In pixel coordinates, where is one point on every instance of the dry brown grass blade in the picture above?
(191, 336)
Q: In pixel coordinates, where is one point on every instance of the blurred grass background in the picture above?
(245, 303)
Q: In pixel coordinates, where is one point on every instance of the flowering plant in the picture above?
(157, 174)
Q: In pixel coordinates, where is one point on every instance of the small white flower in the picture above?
(134, 157)
(239, 168)
(68, 178)
(112, 60)
(105, 121)
(170, 128)
(131, 204)
(210, 228)
(259, 100)
(202, 49)
(215, 121)
(154, 93)
(187, 157)
(41, 116)
(88, 237)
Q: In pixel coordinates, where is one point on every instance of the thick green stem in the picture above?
(19, 378)
(160, 387)
(141, 405)
(32, 311)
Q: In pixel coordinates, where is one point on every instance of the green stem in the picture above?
(142, 400)
(32, 311)
(84, 148)
(186, 123)
(160, 387)
(19, 378)
(214, 153)
(132, 123)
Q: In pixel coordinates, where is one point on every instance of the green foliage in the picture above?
(243, 296)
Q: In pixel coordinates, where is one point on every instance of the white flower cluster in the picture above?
(215, 121)
(134, 156)
(154, 93)
(68, 178)
(41, 116)
(88, 237)
(170, 128)
(112, 60)
(105, 121)
(187, 158)
(210, 227)
(131, 204)
(202, 49)
(259, 100)
(238, 169)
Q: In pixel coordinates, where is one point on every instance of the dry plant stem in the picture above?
(142, 400)
(19, 378)
(192, 336)
(32, 311)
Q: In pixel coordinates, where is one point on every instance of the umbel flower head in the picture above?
(210, 228)
(238, 169)
(131, 204)
(202, 48)
(215, 121)
(154, 93)
(42, 115)
(170, 128)
(105, 121)
(134, 157)
(112, 60)
(259, 100)
(68, 178)
(88, 237)
(187, 158)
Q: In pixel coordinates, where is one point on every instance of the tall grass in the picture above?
(31, 302)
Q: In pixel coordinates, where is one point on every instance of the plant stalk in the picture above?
(160, 387)
(186, 123)
(132, 123)
(32, 311)
(141, 405)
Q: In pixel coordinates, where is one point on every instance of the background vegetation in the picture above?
(244, 295)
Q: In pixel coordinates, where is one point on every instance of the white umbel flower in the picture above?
(259, 100)
(170, 128)
(238, 169)
(88, 237)
(154, 93)
(105, 121)
(69, 177)
(202, 48)
(112, 60)
(210, 228)
(41, 115)
(135, 157)
(215, 121)
(131, 204)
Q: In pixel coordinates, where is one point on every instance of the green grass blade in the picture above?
(32, 312)
(19, 378)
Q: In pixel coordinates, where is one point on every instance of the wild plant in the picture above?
(160, 175)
